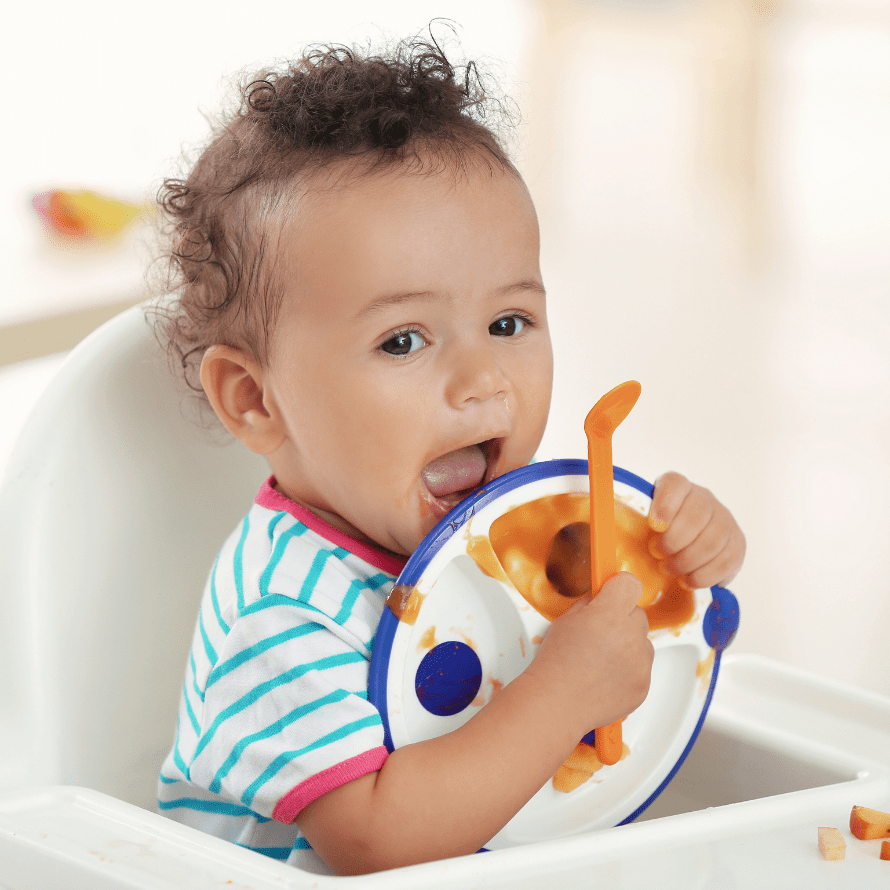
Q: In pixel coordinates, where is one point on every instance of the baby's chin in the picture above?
(430, 511)
(410, 536)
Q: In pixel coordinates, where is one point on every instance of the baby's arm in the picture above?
(450, 795)
(698, 537)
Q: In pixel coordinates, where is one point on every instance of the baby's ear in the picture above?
(234, 383)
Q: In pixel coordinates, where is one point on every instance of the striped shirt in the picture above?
(274, 709)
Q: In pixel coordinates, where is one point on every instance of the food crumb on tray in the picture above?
(831, 844)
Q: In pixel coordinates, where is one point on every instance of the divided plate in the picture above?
(464, 635)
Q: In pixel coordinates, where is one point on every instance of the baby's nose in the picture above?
(475, 375)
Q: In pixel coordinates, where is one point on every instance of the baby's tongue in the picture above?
(455, 471)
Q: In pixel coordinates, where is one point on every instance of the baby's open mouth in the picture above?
(455, 475)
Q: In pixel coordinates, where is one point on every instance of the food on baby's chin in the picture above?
(831, 844)
(868, 824)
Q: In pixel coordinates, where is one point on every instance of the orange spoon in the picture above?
(601, 422)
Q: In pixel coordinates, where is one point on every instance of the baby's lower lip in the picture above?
(441, 506)
(444, 504)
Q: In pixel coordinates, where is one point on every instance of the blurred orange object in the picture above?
(85, 214)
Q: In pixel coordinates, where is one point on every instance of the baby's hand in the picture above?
(596, 660)
(697, 537)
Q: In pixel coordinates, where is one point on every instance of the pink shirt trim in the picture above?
(315, 786)
(274, 500)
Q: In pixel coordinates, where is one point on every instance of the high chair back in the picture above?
(112, 509)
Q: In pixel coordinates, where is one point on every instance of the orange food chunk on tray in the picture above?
(831, 844)
(868, 824)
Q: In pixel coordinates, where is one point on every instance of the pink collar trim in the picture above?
(268, 497)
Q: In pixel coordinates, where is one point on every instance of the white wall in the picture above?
(715, 199)
(106, 96)
(716, 204)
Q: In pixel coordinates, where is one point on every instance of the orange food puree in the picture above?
(580, 766)
(520, 540)
(404, 602)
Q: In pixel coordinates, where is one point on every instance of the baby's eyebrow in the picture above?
(529, 284)
(382, 303)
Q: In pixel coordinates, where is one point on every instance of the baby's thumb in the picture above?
(622, 591)
(578, 604)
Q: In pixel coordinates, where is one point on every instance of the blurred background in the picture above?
(713, 186)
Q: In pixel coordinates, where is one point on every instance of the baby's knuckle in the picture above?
(680, 563)
(701, 504)
(672, 478)
(641, 689)
(698, 579)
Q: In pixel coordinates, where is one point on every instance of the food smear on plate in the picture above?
(704, 670)
(404, 602)
(480, 551)
(428, 638)
(522, 539)
(567, 566)
(542, 549)
(581, 764)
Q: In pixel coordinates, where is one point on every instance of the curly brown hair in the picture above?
(410, 107)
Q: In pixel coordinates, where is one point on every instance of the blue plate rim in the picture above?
(438, 537)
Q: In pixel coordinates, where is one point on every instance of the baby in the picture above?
(360, 300)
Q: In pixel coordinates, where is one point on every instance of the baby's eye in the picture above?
(509, 326)
(404, 343)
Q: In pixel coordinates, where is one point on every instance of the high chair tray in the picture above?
(781, 753)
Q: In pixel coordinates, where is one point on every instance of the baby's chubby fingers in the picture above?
(596, 658)
(675, 497)
(631, 653)
(617, 602)
(621, 594)
(697, 537)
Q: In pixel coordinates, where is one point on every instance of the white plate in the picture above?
(470, 634)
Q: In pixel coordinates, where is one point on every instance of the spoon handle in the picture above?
(599, 425)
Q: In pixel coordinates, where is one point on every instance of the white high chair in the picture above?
(111, 512)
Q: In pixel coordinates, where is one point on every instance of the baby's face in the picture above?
(411, 362)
